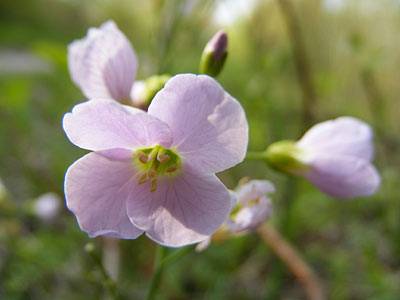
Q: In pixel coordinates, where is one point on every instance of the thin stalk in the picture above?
(300, 269)
(170, 16)
(287, 202)
(376, 100)
(111, 256)
(278, 274)
(302, 63)
(108, 283)
(176, 255)
(158, 270)
(161, 262)
(255, 155)
(389, 143)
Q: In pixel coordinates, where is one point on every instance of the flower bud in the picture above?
(144, 91)
(339, 154)
(287, 157)
(335, 155)
(214, 55)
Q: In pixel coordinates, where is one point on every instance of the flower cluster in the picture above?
(251, 207)
(154, 172)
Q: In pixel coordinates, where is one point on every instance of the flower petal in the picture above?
(209, 126)
(117, 154)
(344, 135)
(250, 217)
(254, 206)
(105, 124)
(343, 176)
(183, 210)
(96, 190)
(253, 190)
(103, 64)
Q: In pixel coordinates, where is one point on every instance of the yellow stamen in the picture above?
(171, 169)
(153, 187)
(143, 178)
(162, 158)
(143, 157)
(152, 173)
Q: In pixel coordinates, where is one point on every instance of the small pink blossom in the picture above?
(154, 172)
(250, 207)
(338, 155)
(103, 64)
(253, 206)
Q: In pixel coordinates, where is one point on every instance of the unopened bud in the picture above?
(286, 157)
(144, 91)
(214, 55)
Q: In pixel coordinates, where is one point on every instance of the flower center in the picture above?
(156, 161)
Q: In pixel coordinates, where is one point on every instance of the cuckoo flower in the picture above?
(253, 206)
(103, 64)
(334, 155)
(250, 208)
(154, 172)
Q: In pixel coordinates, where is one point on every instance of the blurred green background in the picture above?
(353, 56)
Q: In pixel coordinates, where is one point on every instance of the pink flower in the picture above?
(250, 207)
(154, 172)
(103, 64)
(253, 206)
(338, 155)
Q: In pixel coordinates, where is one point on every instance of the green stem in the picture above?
(293, 261)
(108, 283)
(278, 276)
(161, 262)
(255, 155)
(158, 270)
(287, 202)
(170, 15)
(302, 62)
(177, 254)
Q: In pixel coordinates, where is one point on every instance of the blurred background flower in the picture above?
(47, 207)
